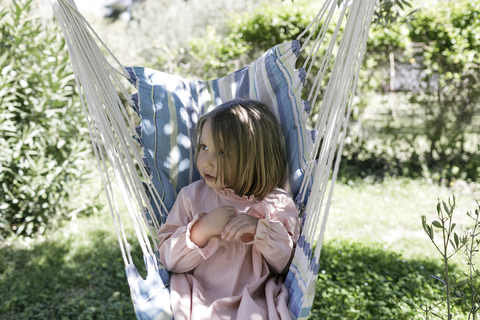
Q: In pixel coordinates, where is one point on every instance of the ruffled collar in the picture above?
(230, 193)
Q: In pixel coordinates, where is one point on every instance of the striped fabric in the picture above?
(169, 107)
(150, 296)
(300, 289)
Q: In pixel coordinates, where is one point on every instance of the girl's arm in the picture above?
(177, 251)
(277, 233)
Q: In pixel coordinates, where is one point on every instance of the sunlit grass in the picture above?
(375, 250)
(389, 213)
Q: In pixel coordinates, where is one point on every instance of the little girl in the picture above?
(230, 236)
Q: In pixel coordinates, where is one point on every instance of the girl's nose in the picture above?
(211, 161)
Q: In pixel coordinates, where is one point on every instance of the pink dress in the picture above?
(235, 279)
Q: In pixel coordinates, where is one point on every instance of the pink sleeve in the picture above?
(177, 252)
(278, 232)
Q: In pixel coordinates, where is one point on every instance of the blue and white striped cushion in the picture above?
(169, 107)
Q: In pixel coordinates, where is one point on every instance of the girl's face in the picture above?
(207, 164)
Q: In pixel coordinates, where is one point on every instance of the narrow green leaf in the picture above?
(424, 222)
(452, 244)
(452, 204)
(406, 3)
(437, 224)
(446, 208)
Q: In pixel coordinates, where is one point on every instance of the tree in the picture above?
(445, 43)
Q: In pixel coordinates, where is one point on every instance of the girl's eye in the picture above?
(203, 147)
(222, 154)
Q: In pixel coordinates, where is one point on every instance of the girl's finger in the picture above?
(231, 210)
(240, 232)
(228, 230)
(231, 228)
(236, 231)
(235, 219)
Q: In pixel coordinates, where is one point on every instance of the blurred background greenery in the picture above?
(413, 138)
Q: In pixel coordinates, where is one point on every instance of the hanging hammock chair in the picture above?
(152, 162)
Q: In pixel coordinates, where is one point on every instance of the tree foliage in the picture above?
(44, 155)
(232, 38)
(445, 46)
(436, 56)
(436, 47)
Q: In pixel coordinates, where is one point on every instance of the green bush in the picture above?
(44, 154)
(431, 125)
(249, 35)
(245, 37)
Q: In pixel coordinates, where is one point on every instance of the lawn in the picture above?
(389, 213)
(375, 254)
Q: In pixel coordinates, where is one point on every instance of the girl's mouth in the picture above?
(209, 177)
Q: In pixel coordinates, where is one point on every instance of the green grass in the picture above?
(363, 281)
(74, 273)
(375, 254)
(389, 213)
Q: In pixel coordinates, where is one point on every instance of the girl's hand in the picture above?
(217, 219)
(211, 224)
(243, 224)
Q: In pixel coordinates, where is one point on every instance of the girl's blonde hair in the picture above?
(249, 135)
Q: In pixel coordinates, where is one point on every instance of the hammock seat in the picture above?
(169, 107)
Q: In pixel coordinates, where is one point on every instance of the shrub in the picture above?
(155, 38)
(460, 291)
(44, 155)
(247, 35)
(430, 121)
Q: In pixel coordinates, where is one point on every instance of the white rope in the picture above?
(325, 109)
(332, 121)
(320, 38)
(334, 114)
(331, 113)
(96, 146)
(362, 26)
(110, 130)
(316, 22)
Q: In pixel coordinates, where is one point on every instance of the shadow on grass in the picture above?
(55, 280)
(360, 281)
